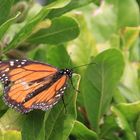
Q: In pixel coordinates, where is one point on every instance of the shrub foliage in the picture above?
(70, 33)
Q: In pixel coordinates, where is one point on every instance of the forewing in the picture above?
(22, 77)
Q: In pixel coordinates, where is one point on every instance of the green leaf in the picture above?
(10, 135)
(129, 86)
(127, 16)
(138, 128)
(54, 55)
(134, 51)
(123, 124)
(11, 120)
(130, 36)
(58, 4)
(108, 127)
(130, 110)
(82, 132)
(37, 54)
(104, 22)
(32, 125)
(58, 56)
(99, 83)
(2, 105)
(83, 48)
(111, 16)
(5, 26)
(61, 30)
(26, 31)
(5, 7)
(118, 97)
(72, 5)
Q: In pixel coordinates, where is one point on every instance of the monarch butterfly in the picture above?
(32, 85)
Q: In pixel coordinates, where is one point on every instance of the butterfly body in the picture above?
(32, 85)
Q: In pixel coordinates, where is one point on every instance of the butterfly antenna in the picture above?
(84, 65)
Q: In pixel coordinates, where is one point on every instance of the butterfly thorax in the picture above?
(67, 72)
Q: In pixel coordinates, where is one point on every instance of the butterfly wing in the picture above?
(31, 85)
(44, 100)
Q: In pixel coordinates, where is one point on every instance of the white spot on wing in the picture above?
(3, 74)
(24, 84)
(24, 60)
(11, 63)
(58, 95)
(22, 63)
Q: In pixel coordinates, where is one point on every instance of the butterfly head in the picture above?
(66, 72)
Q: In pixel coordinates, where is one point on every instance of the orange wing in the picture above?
(47, 98)
(31, 85)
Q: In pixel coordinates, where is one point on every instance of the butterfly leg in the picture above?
(64, 104)
(74, 87)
